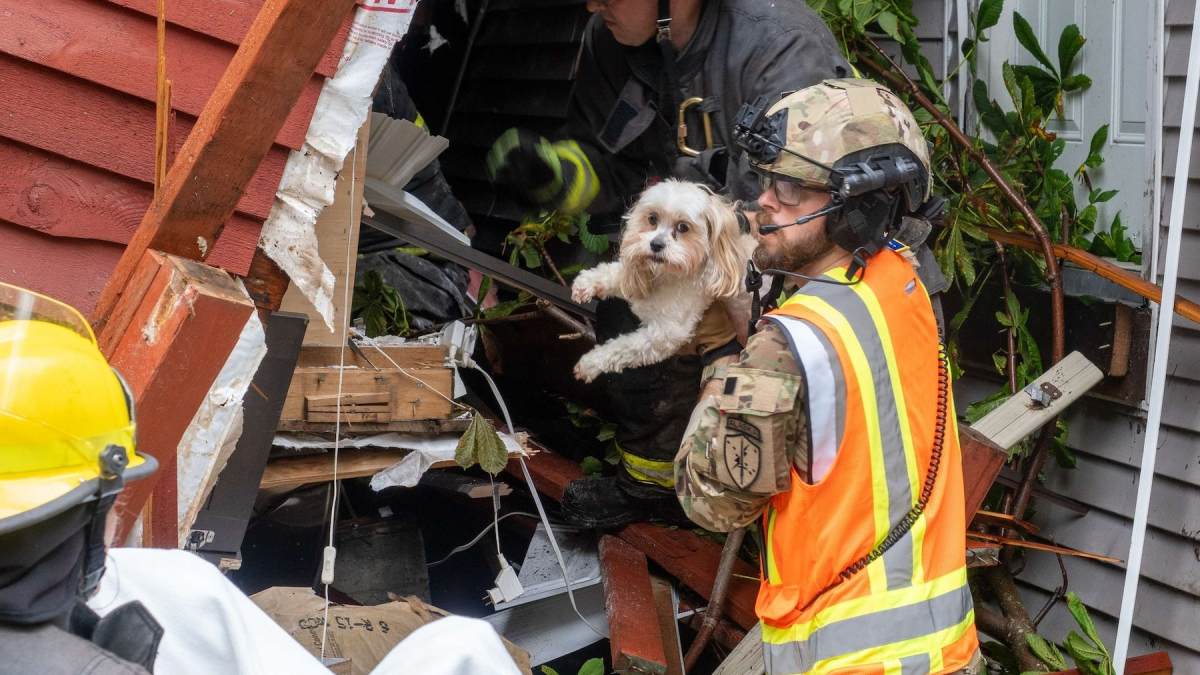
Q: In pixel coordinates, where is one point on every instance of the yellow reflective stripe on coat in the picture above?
(649, 470)
(898, 625)
(584, 186)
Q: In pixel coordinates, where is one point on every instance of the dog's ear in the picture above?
(727, 266)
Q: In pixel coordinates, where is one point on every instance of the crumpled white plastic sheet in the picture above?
(408, 471)
(209, 626)
(288, 236)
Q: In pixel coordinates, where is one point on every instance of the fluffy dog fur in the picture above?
(681, 249)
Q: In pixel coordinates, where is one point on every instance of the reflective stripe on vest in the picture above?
(870, 395)
(912, 631)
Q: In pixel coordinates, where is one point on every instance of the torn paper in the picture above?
(288, 236)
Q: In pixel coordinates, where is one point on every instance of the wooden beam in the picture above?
(285, 472)
(634, 634)
(1018, 417)
(982, 461)
(178, 330)
(665, 609)
(684, 554)
(231, 137)
(1158, 663)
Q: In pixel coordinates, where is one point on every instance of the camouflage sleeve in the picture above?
(744, 437)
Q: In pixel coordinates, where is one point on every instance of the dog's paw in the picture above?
(587, 287)
(587, 369)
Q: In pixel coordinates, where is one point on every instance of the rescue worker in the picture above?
(66, 450)
(641, 61)
(835, 426)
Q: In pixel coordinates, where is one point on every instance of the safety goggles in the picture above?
(788, 193)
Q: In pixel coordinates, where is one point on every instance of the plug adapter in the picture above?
(508, 587)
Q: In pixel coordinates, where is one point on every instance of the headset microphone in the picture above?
(829, 208)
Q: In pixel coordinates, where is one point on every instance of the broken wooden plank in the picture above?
(634, 635)
(1158, 663)
(1004, 520)
(285, 472)
(684, 554)
(665, 609)
(231, 136)
(1037, 545)
(181, 329)
(982, 461)
(1018, 417)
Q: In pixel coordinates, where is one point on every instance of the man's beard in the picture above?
(791, 255)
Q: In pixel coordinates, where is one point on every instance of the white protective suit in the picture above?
(209, 626)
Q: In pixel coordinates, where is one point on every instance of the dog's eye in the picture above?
(652, 219)
(681, 227)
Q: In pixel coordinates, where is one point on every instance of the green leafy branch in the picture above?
(380, 307)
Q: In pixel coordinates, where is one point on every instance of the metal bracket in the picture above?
(1042, 395)
(198, 538)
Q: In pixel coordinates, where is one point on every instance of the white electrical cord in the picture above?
(469, 544)
(330, 552)
(537, 500)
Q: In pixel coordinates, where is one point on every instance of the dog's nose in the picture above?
(657, 245)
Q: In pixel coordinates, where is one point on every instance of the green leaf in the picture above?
(1099, 196)
(1014, 86)
(1045, 651)
(1045, 87)
(989, 15)
(1069, 44)
(481, 444)
(596, 244)
(1076, 82)
(571, 270)
(607, 432)
(890, 24)
(532, 259)
(1098, 140)
(485, 286)
(592, 667)
(1081, 649)
(592, 467)
(1000, 361)
(547, 670)
(1029, 41)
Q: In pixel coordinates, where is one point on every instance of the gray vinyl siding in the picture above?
(1108, 440)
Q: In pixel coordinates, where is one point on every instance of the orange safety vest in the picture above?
(869, 353)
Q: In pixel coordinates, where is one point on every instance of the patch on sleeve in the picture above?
(743, 452)
(912, 286)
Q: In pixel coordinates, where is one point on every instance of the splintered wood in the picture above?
(177, 326)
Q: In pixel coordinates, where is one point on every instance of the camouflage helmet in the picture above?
(838, 118)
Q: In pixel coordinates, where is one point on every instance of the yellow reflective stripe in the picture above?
(868, 604)
(586, 185)
(866, 385)
(420, 121)
(649, 470)
(892, 667)
(897, 650)
(772, 568)
(910, 458)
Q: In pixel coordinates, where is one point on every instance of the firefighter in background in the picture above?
(66, 450)
(835, 424)
(644, 67)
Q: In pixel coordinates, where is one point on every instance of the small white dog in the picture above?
(681, 249)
